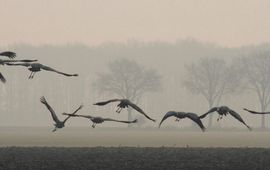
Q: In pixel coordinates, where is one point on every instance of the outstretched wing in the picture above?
(167, 115)
(196, 119)
(238, 117)
(134, 106)
(81, 106)
(8, 54)
(13, 61)
(106, 102)
(254, 112)
(19, 64)
(74, 115)
(210, 111)
(121, 121)
(59, 72)
(2, 78)
(55, 118)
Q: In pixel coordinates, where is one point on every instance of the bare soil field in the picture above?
(29, 148)
(43, 158)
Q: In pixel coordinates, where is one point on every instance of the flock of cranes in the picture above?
(35, 67)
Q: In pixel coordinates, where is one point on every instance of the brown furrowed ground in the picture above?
(25, 158)
(88, 148)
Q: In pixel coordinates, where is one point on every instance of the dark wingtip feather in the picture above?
(99, 104)
(66, 114)
(43, 100)
(202, 116)
(135, 121)
(245, 109)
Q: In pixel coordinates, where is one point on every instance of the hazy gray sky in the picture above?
(227, 22)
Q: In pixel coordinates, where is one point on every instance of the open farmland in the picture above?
(133, 158)
(88, 148)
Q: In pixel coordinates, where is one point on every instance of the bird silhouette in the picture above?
(181, 115)
(8, 54)
(58, 124)
(36, 67)
(124, 103)
(3, 62)
(254, 112)
(98, 120)
(223, 111)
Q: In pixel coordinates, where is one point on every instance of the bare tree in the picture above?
(256, 70)
(127, 79)
(212, 78)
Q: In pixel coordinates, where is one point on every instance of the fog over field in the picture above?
(162, 37)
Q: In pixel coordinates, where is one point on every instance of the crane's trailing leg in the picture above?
(30, 75)
(119, 109)
(94, 125)
(33, 75)
(219, 117)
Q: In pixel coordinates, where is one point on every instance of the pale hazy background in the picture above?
(83, 36)
(92, 22)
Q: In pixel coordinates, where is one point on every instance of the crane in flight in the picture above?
(3, 62)
(36, 67)
(58, 124)
(124, 103)
(223, 111)
(181, 115)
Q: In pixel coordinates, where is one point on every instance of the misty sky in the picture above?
(92, 22)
